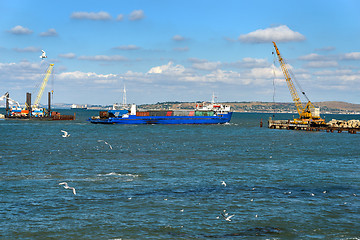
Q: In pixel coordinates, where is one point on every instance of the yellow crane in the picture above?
(43, 85)
(308, 113)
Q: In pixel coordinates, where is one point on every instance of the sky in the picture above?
(185, 51)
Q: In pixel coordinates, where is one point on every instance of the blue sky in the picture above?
(180, 50)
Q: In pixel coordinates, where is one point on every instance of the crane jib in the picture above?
(43, 85)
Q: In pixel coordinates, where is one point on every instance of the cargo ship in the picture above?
(202, 114)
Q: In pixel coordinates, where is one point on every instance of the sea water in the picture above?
(165, 181)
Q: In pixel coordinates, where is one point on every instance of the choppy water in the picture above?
(164, 182)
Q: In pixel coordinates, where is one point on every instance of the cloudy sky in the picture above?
(180, 50)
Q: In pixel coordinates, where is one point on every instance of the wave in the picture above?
(119, 174)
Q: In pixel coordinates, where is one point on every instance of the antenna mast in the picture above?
(124, 96)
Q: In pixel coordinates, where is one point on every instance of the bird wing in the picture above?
(74, 191)
(63, 131)
(63, 183)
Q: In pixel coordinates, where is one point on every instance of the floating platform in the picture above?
(55, 116)
(351, 126)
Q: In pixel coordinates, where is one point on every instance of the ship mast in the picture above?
(213, 98)
(124, 96)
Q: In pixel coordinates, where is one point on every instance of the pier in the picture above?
(351, 126)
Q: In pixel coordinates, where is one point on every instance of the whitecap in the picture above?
(119, 174)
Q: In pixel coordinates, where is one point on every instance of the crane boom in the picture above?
(289, 82)
(43, 85)
(305, 114)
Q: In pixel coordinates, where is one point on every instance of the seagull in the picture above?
(226, 216)
(43, 55)
(67, 187)
(106, 143)
(66, 134)
(223, 183)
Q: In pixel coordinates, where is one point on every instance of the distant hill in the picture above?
(344, 106)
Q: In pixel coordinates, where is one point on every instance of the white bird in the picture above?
(66, 186)
(223, 183)
(43, 55)
(226, 216)
(106, 143)
(66, 134)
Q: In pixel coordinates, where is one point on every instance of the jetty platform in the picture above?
(351, 126)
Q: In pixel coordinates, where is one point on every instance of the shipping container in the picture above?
(157, 113)
(142, 114)
(204, 113)
(170, 113)
(181, 113)
(191, 113)
(104, 114)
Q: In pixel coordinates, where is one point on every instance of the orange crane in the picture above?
(308, 113)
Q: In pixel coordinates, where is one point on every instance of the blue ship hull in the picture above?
(132, 119)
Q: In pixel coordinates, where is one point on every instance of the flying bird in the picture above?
(66, 186)
(66, 134)
(106, 143)
(43, 55)
(226, 216)
(223, 183)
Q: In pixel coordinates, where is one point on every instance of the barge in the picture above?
(31, 112)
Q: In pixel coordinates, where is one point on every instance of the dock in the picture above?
(351, 126)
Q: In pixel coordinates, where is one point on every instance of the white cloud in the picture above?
(178, 38)
(120, 17)
(311, 57)
(23, 75)
(278, 34)
(136, 15)
(209, 66)
(339, 75)
(351, 56)
(91, 15)
(249, 63)
(20, 30)
(321, 64)
(317, 57)
(49, 33)
(103, 58)
(325, 49)
(181, 49)
(28, 49)
(67, 55)
(85, 76)
(127, 47)
(170, 68)
(337, 72)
